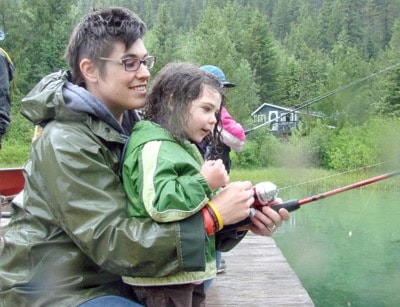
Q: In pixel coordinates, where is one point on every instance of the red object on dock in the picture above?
(11, 181)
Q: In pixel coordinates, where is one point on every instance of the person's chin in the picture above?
(196, 140)
(137, 104)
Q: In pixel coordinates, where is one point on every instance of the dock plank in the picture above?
(257, 274)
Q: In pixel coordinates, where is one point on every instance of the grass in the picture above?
(16, 142)
(14, 154)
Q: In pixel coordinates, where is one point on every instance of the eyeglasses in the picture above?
(133, 64)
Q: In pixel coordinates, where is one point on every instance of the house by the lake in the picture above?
(280, 120)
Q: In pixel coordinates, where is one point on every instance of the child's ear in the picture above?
(89, 71)
(170, 103)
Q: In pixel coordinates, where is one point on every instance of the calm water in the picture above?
(346, 248)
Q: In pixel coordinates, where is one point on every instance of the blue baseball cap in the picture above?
(216, 71)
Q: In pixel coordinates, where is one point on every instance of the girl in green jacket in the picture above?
(166, 178)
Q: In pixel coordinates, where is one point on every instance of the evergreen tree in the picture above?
(390, 104)
(282, 18)
(306, 30)
(210, 43)
(43, 39)
(322, 44)
(258, 48)
(350, 105)
(164, 37)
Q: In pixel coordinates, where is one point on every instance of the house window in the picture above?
(260, 118)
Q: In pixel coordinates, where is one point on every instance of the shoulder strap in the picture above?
(10, 64)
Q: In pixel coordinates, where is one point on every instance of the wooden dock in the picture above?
(257, 274)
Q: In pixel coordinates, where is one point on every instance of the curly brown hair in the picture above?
(178, 84)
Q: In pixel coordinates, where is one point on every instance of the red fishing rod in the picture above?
(265, 192)
(295, 204)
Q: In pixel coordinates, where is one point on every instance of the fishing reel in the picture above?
(264, 192)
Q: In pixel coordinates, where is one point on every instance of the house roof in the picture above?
(272, 106)
(315, 114)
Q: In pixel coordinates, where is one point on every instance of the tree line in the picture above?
(284, 52)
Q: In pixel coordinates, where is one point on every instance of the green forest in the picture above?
(282, 52)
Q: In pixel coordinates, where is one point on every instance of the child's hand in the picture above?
(215, 173)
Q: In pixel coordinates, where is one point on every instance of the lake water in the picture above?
(345, 249)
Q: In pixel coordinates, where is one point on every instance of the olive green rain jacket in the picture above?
(69, 239)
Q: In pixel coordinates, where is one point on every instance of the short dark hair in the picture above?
(96, 34)
(179, 84)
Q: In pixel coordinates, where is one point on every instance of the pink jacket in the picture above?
(232, 132)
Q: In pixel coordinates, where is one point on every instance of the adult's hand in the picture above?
(266, 221)
(233, 202)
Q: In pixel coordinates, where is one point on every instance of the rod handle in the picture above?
(229, 228)
(290, 205)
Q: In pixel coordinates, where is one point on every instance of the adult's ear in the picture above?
(89, 70)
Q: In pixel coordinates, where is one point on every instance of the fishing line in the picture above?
(334, 175)
(350, 233)
(295, 204)
(339, 89)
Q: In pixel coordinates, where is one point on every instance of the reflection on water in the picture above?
(346, 248)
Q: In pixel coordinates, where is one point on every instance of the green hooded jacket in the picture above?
(162, 179)
(69, 239)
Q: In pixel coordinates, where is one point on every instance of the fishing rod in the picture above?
(294, 204)
(265, 192)
(323, 97)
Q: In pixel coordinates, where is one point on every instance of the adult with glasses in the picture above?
(69, 239)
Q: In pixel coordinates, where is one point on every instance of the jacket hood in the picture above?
(54, 97)
(146, 131)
